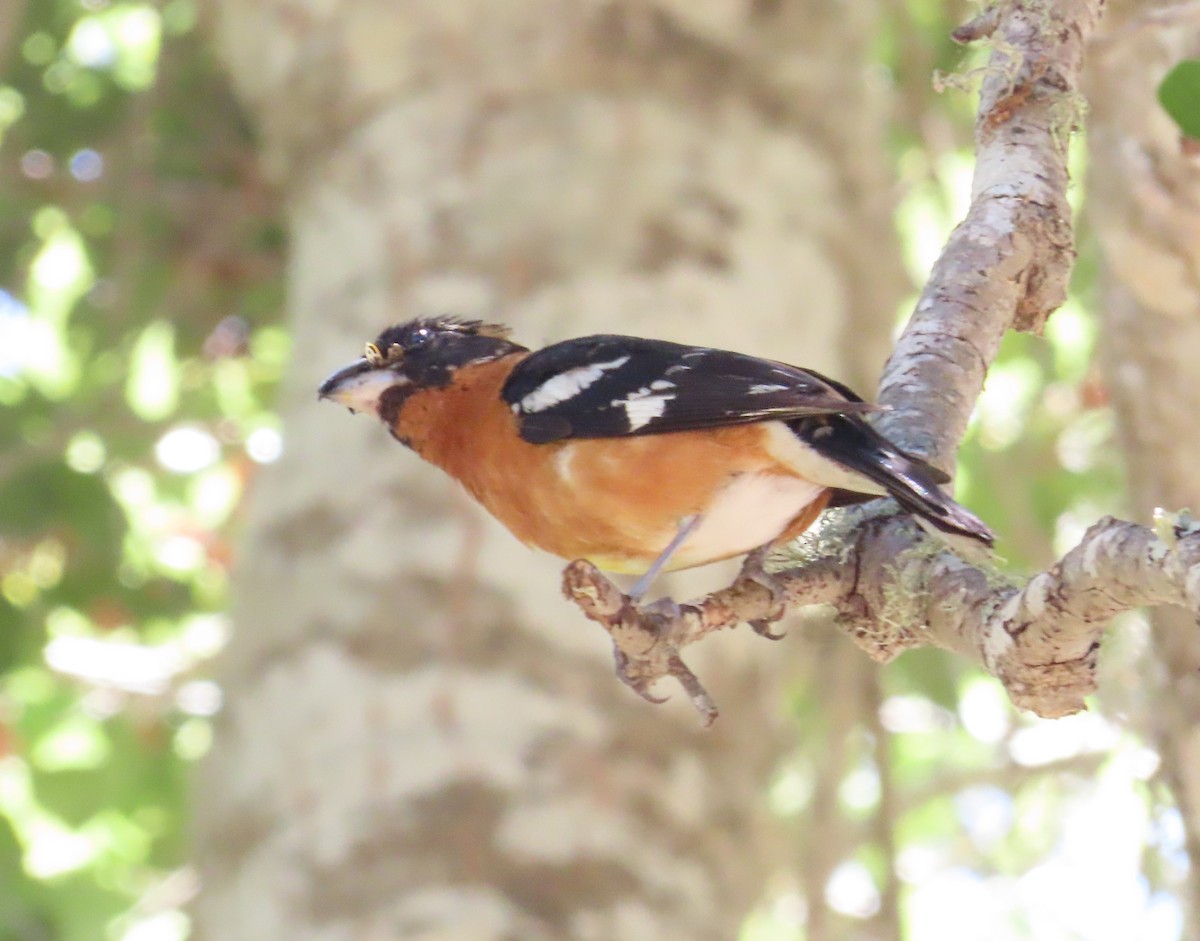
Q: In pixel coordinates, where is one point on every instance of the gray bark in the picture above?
(421, 739)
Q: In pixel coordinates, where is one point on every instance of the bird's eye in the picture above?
(372, 355)
(420, 336)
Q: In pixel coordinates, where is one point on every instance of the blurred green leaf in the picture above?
(1179, 94)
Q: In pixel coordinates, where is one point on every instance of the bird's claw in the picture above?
(639, 684)
(643, 647)
(691, 684)
(630, 669)
(762, 628)
(754, 571)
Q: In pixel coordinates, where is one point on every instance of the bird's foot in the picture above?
(644, 638)
(754, 570)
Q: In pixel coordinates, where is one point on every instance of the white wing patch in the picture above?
(565, 385)
(646, 404)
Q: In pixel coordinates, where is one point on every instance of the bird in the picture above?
(637, 455)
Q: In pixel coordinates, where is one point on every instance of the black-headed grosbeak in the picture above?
(637, 455)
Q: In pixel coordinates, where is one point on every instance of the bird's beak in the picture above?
(359, 386)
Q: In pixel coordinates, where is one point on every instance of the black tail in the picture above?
(914, 484)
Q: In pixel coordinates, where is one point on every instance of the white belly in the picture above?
(751, 510)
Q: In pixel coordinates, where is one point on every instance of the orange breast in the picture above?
(615, 501)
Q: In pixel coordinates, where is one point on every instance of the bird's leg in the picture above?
(754, 568)
(643, 646)
(687, 526)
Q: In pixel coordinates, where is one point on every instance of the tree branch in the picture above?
(1005, 266)
(1039, 640)
(1007, 263)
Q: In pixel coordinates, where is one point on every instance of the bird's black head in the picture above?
(415, 355)
(437, 342)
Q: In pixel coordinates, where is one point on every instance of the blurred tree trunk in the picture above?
(420, 738)
(1144, 199)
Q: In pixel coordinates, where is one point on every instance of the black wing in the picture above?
(611, 386)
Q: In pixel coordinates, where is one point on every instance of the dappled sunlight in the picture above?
(135, 439)
(141, 345)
